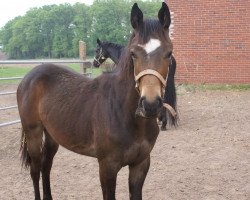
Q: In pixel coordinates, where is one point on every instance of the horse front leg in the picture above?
(108, 173)
(137, 175)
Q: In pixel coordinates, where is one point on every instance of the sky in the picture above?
(9, 9)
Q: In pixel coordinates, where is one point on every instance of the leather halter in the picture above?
(150, 72)
(100, 56)
(162, 80)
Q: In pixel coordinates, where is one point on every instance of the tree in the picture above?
(82, 24)
(110, 20)
(55, 30)
(47, 24)
(63, 34)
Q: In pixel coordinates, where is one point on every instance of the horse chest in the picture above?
(138, 151)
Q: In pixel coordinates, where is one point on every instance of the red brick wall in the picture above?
(211, 40)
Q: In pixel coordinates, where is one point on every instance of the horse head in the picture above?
(100, 54)
(150, 49)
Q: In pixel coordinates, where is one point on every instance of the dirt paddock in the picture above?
(207, 157)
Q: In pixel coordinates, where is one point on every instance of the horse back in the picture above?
(44, 79)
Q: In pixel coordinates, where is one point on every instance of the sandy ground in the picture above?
(207, 157)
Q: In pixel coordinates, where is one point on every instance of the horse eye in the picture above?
(169, 54)
(133, 55)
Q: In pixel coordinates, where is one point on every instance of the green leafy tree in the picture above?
(81, 28)
(55, 30)
(6, 35)
(63, 31)
(17, 43)
(110, 20)
(46, 28)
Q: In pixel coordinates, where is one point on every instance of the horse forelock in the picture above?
(149, 28)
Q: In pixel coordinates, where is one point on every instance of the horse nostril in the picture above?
(159, 101)
(141, 101)
(149, 108)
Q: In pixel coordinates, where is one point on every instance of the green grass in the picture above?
(215, 87)
(15, 71)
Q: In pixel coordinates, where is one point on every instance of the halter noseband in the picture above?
(152, 72)
(98, 59)
(149, 72)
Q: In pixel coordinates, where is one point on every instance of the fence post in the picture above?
(82, 56)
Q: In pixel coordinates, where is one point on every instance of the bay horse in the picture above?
(111, 117)
(105, 50)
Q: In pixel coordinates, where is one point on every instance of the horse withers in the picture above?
(105, 50)
(106, 117)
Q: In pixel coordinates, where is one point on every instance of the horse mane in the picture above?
(117, 46)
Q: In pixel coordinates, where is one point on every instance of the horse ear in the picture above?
(98, 41)
(164, 16)
(136, 17)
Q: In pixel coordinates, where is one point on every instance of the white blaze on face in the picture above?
(152, 45)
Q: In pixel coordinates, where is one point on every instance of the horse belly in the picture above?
(76, 142)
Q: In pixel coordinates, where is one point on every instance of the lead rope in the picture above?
(170, 109)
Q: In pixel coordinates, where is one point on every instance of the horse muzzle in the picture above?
(150, 87)
(148, 109)
(96, 63)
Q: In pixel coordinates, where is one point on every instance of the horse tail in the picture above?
(170, 92)
(25, 158)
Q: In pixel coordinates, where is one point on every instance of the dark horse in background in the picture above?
(106, 117)
(105, 50)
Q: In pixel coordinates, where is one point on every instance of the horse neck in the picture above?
(114, 52)
(125, 83)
